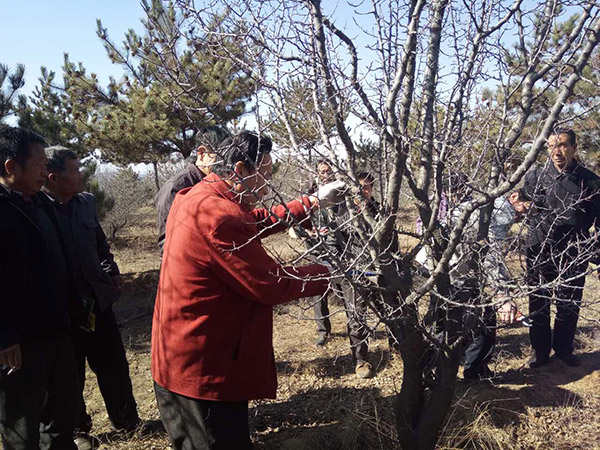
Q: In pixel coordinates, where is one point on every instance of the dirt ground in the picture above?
(322, 405)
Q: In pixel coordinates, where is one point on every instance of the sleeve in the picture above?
(241, 262)
(163, 201)
(528, 191)
(9, 335)
(107, 259)
(270, 222)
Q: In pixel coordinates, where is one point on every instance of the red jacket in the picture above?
(212, 332)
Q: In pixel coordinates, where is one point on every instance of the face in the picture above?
(205, 159)
(254, 188)
(28, 178)
(324, 172)
(366, 188)
(69, 182)
(561, 151)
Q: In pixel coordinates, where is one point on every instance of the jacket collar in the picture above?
(4, 191)
(193, 168)
(56, 202)
(216, 183)
(570, 170)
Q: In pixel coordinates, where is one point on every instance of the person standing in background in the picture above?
(39, 387)
(97, 283)
(208, 142)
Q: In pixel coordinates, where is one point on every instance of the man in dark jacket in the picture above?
(563, 201)
(208, 142)
(39, 389)
(337, 229)
(97, 283)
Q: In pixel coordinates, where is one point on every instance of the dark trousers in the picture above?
(356, 313)
(39, 404)
(479, 320)
(194, 424)
(481, 342)
(544, 266)
(105, 355)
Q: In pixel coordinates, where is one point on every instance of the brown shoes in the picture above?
(363, 370)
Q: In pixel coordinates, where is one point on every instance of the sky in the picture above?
(38, 32)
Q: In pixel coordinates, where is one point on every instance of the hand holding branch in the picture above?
(521, 206)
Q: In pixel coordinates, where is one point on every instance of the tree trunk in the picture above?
(409, 401)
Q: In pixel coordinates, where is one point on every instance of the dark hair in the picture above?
(57, 158)
(15, 143)
(246, 146)
(569, 132)
(367, 176)
(212, 137)
(325, 161)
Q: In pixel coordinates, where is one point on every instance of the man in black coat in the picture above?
(335, 227)
(208, 141)
(563, 201)
(39, 389)
(97, 285)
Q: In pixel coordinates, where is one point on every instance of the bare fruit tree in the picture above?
(449, 103)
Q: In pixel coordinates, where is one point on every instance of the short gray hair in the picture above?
(57, 158)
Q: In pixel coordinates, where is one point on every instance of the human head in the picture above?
(456, 187)
(208, 143)
(64, 177)
(22, 160)
(366, 181)
(562, 146)
(325, 171)
(245, 162)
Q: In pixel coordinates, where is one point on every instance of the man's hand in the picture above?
(11, 357)
(520, 206)
(334, 278)
(507, 313)
(329, 194)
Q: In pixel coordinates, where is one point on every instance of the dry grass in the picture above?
(321, 405)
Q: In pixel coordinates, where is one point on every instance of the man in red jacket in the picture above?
(212, 343)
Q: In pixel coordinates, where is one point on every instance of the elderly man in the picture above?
(97, 285)
(338, 231)
(39, 389)
(212, 347)
(563, 201)
(208, 142)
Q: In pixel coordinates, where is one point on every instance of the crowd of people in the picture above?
(212, 347)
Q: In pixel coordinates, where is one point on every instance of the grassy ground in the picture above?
(321, 405)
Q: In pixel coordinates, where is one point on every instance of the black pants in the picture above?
(39, 404)
(479, 320)
(544, 266)
(356, 312)
(481, 342)
(194, 424)
(105, 355)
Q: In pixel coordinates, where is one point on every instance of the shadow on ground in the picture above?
(325, 419)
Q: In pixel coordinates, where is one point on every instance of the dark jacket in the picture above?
(163, 200)
(339, 231)
(90, 261)
(566, 204)
(213, 320)
(31, 305)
